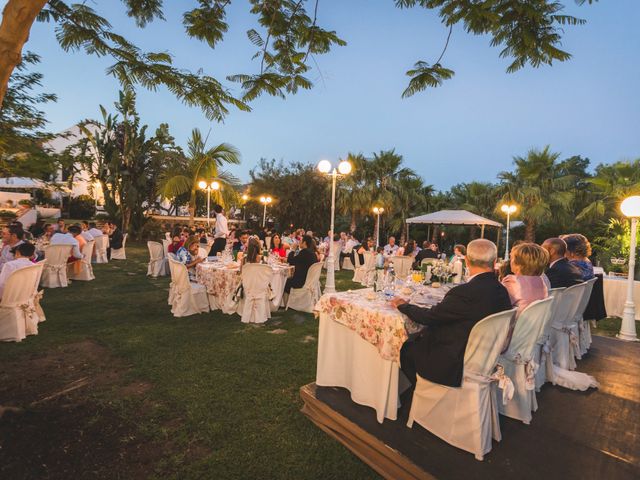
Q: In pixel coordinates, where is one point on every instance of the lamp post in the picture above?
(245, 198)
(208, 187)
(508, 209)
(630, 208)
(344, 168)
(265, 201)
(378, 211)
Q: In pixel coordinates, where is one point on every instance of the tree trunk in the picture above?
(192, 206)
(530, 231)
(17, 18)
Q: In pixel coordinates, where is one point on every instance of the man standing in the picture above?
(220, 232)
(561, 272)
(437, 353)
(115, 238)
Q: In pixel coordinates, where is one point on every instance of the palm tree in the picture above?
(355, 198)
(200, 163)
(539, 187)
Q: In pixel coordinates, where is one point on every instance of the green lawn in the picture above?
(227, 388)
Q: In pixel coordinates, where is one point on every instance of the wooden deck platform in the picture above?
(573, 435)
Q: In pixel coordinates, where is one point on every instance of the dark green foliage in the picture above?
(82, 207)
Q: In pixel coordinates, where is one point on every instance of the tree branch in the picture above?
(445, 45)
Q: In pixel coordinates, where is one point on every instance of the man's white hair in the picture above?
(482, 253)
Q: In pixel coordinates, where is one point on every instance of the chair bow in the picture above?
(573, 338)
(504, 383)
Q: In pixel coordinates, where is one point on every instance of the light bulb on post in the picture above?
(202, 184)
(263, 199)
(215, 185)
(344, 168)
(324, 166)
(509, 209)
(268, 199)
(630, 207)
(245, 197)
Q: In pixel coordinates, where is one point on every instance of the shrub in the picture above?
(82, 207)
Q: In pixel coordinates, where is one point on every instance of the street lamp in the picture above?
(344, 168)
(630, 208)
(208, 187)
(265, 201)
(378, 211)
(245, 198)
(508, 209)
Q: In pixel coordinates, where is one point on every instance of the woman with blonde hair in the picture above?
(527, 283)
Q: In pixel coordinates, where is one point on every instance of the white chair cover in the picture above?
(255, 306)
(564, 333)
(186, 298)
(203, 252)
(519, 363)
(86, 270)
(584, 330)
(102, 242)
(346, 263)
(54, 274)
(543, 354)
(18, 315)
(119, 253)
(305, 298)
(37, 295)
(336, 255)
(165, 248)
(358, 274)
(157, 261)
(467, 417)
(402, 266)
(458, 270)
(369, 276)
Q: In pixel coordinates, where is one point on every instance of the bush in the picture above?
(82, 207)
(152, 230)
(7, 214)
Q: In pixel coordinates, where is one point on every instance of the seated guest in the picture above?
(12, 236)
(254, 250)
(241, 245)
(459, 252)
(391, 248)
(561, 272)
(176, 244)
(71, 237)
(367, 246)
(94, 230)
(85, 231)
(23, 254)
(49, 231)
(528, 282)
(188, 255)
(578, 253)
(37, 229)
(408, 250)
(426, 252)
(277, 246)
(60, 226)
(115, 238)
(437, 352)
(302, 261)
(349, 242)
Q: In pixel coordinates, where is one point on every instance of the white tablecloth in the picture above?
(359, 345)
(615, 294)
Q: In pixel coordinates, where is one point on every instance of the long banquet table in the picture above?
(222, 282)
(359, 342)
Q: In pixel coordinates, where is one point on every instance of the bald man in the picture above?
(561, 272)
(437, 354)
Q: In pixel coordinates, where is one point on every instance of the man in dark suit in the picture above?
(302, 261)
(437, 353)
(115, 238)
(561, 272)
(427, 252)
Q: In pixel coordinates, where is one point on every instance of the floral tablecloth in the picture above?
(373, 319)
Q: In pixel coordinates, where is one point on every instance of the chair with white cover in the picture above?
(203, 252)
(337, 247)
(402, 266)
(186, 298)
(102, 242)
(458, 271)
(543, 354)
(358, 273)
(18, 315)
(564, 332)
(518, 361)
(347, 264)
(119, 253)
(165, 247)
(255, 306)
(467, 417)
(157, 261)
(86, 270)
(428, 261)
(304, 299)
(38, 294)
(54, 274)
(584, 329)
(369, 276)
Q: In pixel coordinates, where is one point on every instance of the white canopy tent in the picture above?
(14, 183)
(453, 217)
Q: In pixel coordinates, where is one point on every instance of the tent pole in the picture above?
(482, 231)
(429, 233)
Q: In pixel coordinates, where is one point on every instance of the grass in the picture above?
(233, 387)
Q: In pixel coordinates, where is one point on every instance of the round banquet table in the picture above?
(222, 282)
(615, 294)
